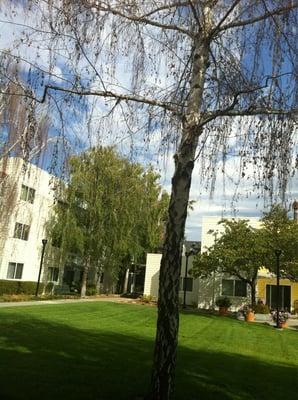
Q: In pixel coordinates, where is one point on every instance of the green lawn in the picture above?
(103, 351)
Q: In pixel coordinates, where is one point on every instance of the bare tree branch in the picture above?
(278, 11)
(229, 11)
(169, 106)
(251, 111)
(138, 19)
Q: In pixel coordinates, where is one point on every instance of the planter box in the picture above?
(263, 317)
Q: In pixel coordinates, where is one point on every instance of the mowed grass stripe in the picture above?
(104, 351)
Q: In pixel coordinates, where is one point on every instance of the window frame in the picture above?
(53, 272)
(21, 231)
(16, 271)
(27, 194)
(186, 284)
(234, 289)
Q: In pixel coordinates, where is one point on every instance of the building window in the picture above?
(233, 287)
(53, 274)
(27, 194)
(15, 270)
(186, 284)
(21, 231)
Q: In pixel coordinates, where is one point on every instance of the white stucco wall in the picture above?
(152, 278)
(210, 288)
(27, 252)
(152, 274)
(212, 224)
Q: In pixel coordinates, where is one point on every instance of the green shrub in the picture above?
(146, 298)
(19, 287)
(49, 287)
(223, 302)
(91, 290)
(16, 297)
(261, 308)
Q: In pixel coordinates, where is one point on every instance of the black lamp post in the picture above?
(191, 252)
(44, 242)
(277, 254)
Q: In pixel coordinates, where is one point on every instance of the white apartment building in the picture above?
(199, 292)
(188, 285)
(26, 201)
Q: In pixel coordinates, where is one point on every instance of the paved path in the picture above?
(114, 299)
(291, 322)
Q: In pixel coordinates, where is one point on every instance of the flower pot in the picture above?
(250, 316)
(223, 311)
(283, 325)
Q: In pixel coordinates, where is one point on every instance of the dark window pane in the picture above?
(24, 192)
(19, 271)
(27, 194)
(188, 284)
(240, 288)
(287, 298)
(56, 274)
(227, 287)
(17, 231)
(25, 232)
(11, 270)
(53, 274)
(31, 195)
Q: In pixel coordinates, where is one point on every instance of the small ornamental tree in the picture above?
(239, 251)
(242, 250)
(281, 233)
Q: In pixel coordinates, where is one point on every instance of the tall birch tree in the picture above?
(209, 77)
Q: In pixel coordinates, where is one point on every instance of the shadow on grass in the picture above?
(42, 360)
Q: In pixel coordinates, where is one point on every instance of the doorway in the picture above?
(284, 297)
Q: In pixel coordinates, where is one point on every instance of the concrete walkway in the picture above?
(113, 299)
(291, 322)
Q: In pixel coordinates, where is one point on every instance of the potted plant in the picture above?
(283, 317)
(249, 314)
(262, 312)
(223, 303)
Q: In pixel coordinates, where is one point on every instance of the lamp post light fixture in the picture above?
(277, 254)
(44, 242)
(193, 251)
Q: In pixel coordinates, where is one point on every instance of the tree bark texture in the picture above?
(253, 292)
(85, 276)
(163, 374)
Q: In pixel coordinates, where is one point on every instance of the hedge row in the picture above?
(19, 287)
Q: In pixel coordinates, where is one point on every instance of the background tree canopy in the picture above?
(108, 211)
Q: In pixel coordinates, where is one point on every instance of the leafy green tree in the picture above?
(239, 251)
(281, 233)
(110, 209)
